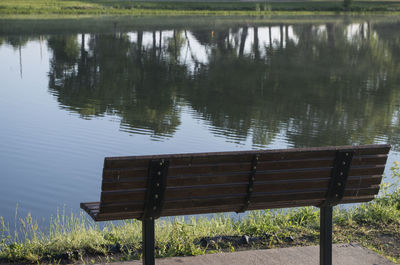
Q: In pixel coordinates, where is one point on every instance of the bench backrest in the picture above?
(236, 181)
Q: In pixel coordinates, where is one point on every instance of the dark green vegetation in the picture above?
(375, 225)
(46, 7)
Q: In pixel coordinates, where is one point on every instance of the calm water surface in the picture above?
(70, 97)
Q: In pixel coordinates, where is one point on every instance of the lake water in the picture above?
(75, 91)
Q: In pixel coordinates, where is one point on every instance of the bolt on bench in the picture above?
(148, 187)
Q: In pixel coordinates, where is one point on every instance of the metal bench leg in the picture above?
(325, 236)
(148, 241)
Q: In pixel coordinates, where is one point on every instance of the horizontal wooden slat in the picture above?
(358, 199)
(253, 206)
(92, 208)
(242, 156)
(219, 178)
(364, 181)
(367, 170)
(264, 198)
(217, 209)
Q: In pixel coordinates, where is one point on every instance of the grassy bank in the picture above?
(375, 225)
(129, 7)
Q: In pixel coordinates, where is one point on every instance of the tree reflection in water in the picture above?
(327, 84)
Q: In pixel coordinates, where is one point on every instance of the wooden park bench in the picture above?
(149, 187)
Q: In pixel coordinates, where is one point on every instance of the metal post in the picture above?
(325, 236)
(148, 241)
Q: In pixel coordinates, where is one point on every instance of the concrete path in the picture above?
(343, 254)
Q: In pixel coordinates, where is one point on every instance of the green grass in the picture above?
(71, 238)
(129, 7)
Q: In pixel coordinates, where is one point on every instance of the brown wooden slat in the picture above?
(117, 216)
(363, 181)
(293, 164)
(367, 170)
(369, 159)
(179, 181)
(121, 196)
(263, 198)
(219, 178)
(91, 208)
(253, 206)
(244, 177)
(357, 182)
(209, 158)
(216, 168)
(122, 207)
(318, 162)
(235, 202)
(125, 184)
(373, 190)
(121, 173)
(227, 189)
(359, 199)
(209, 168)
(90, 205)
(242, 156)
(217, 209)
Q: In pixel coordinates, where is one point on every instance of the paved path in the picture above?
(343, 254)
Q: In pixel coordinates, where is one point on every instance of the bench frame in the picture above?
(157, 182)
